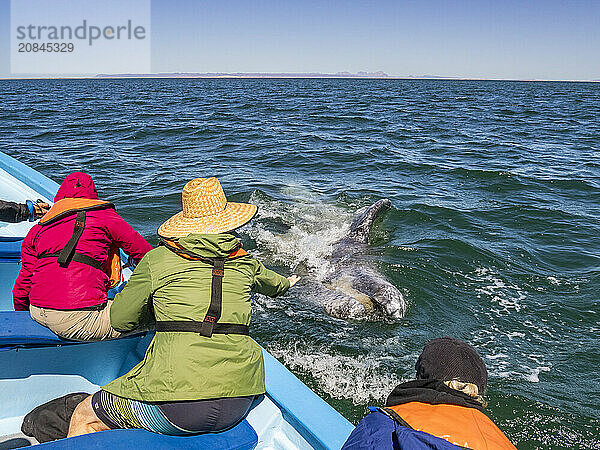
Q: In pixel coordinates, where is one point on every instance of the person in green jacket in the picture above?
(202, 371)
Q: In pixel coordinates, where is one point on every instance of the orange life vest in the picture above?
(67, 207)
(460, 425)
(175, 247)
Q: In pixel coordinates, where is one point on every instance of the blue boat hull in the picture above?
(36, 366)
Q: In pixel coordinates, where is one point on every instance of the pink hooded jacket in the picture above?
(43, 283)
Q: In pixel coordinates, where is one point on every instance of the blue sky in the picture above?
(482, 39)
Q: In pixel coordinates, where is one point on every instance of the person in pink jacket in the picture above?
(69, 260)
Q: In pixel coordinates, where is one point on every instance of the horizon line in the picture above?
(379, 75)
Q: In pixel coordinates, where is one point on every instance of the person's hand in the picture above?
(293, 280)
(40, 209)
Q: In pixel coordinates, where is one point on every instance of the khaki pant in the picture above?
(83, 325)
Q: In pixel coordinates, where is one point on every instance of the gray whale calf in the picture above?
(356, 288)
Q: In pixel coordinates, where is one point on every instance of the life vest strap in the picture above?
(394, 416)
(77, 257)
(210, 323)
(192, 326)
(66, 254)
(216, 298)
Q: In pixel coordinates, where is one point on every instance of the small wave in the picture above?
(46, 134)
(506, 112)
(167, 131)
(485, 174)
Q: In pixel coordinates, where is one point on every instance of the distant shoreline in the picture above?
(241, 75)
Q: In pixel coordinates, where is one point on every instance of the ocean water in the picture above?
(494, 234)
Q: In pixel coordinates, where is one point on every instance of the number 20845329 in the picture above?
(47, 47)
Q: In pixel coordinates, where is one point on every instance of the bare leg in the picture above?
(85, 420)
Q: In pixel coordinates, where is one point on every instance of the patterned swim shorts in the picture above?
(172, 418)
(119, 412)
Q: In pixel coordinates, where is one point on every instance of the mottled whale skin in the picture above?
(357, 288)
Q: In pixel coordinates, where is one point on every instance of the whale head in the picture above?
(365, 290)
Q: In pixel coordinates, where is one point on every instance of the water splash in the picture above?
(311, 227)
(361, 380)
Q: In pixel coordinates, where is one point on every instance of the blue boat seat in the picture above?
(17, 328)
(10, 248)
(240, 437)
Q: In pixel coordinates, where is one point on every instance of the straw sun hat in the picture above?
(206, 211)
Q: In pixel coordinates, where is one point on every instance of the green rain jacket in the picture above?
(187, 366)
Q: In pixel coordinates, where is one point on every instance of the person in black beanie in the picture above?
(440, 409)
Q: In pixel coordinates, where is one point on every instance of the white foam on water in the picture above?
(534, 374)
(570, 282)
(263, 303)
(313, 228)
(504, 361)
(361, 380)
(539, 328)
(500, 367)
(515, 334)
(507, 296)
(553, 280)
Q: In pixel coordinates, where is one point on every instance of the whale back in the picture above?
(362, 224)
(358, 288)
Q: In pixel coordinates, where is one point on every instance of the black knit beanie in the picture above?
(448, 359)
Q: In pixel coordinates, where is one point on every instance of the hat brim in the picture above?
(233, 216)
